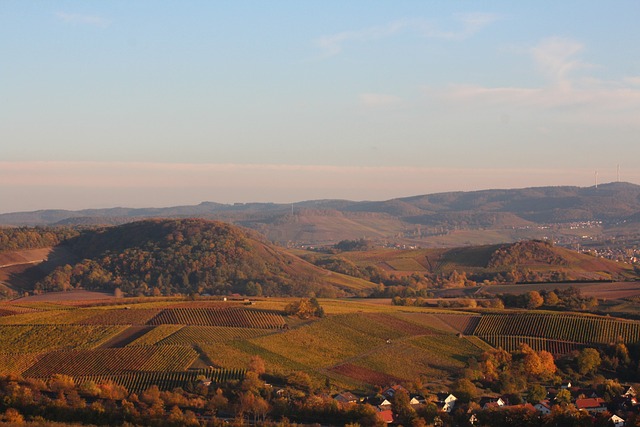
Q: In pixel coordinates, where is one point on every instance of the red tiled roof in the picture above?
(386, 416)
(591, 402)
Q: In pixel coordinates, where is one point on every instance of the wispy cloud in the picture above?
(558, 60)
(77, 18)
(469, 24)
(557, 57)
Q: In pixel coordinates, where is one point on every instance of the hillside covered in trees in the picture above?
(188, 256)
(419, 270)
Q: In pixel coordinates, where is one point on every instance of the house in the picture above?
(386, 416)
(346, 397)
(391, 391)
(592, 405)
(446, 402)
(630, 392)
(543, 407)
(473, 420)
(617, 421)
(492, 402)
(378, 402)
(581, 393)
(416, 399)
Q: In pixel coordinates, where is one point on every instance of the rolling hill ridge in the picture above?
(511, 215)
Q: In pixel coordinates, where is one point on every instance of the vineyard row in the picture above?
(137, 382)
(581, 329)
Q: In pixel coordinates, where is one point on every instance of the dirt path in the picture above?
(22, 263)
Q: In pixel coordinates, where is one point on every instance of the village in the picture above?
(583, 403)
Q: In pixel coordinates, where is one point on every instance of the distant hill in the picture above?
(187, 256)
(528, 261)
(444, 219)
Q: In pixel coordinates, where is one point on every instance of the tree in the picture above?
(256, 364)
(536, 393)
(563, 397)
(465, 390)
(13, 416)
(400, 405)
(305, 308)
(531, 362)
(534, 300)
(551, 299)
(218, 402)
(588, 361)
(60, 382)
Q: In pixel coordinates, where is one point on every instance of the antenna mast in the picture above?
(596, 179)
(618, 174)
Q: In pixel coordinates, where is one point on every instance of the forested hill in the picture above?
(187, 256)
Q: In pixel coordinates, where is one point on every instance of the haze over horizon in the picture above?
(161, 104)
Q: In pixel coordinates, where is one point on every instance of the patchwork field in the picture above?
(359, 345)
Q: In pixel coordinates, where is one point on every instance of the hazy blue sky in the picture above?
(155, 103)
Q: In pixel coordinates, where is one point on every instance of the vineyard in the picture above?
(139, 316)
(512, 343)
(461, 323)
(139, 381)
(16, 363)
(230, 317)
(579, 329)
(39, 338)
(155, 335)
(210, 334)
(398, 326)
(436, 356)
(112, 361)
(358, 344)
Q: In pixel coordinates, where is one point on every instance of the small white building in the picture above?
(446, 402)
(617, 421)
(543, 407)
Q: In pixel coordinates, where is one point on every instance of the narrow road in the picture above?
(22, 263)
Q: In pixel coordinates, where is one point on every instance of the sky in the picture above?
(161, 103)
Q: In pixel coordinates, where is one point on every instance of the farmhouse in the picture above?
(543, 407)
(391, 391)
(592, 405)
(492, 402)
(346, 397)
